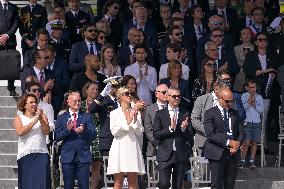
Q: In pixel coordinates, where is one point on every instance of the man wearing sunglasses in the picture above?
(225, 135)
(171, 129)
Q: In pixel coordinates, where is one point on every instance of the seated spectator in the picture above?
(258, 20)
(253, 104)
(86, 7)
(81, 49)
(90, 92)
(103, 25)
(91, 74)
(204, 84)
(163, 26)
(240, 52)
(108, 62)
(32, 158)
(174, 80)
(101, 38)
(145, 75)
(173, 52)
(127, 14)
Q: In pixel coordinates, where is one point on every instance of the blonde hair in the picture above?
(173, 64)
(120, 92)
(113, 60)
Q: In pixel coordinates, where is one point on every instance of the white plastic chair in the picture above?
(152, 172)
(200, 173)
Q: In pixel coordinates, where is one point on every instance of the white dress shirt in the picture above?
(164, 71)
(252, 113)
(72, 116)
(198, 32)
(172, 112)
(147, 84)
(37, 71)
(94, 47)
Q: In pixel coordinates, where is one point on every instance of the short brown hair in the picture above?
(23, 101)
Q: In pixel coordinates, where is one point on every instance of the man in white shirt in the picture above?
(145, 75)
(253, 104)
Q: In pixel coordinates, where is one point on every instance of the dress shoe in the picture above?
(13, 93)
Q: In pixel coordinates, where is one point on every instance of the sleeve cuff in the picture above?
(171, 130)
(227, 143)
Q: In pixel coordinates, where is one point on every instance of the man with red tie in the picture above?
(76, 130)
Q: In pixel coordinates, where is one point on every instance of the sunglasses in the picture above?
(178, 34)
(210, 65)
(219, 36)
(175, 96)
(217, 23)
(35, 90)
(163, 92)
(127, 94)
(261, 39)
(92, 30)
(227, 101)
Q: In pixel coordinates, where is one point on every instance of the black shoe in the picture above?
(242, 164)
(13, 93)
(252, 165)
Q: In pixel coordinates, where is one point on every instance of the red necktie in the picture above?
(75, 120)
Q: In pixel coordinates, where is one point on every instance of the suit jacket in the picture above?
(78, 52)
(149, 30)
(62, 49)
(75, 145)
(190, 33)
(74, 24)
(103, 106)
(9, 23)
(166, 138)
(30, 71)
(216, 133)
(202, 103)
(149, 129)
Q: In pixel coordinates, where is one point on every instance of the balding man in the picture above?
(224, 135)
(161, 103)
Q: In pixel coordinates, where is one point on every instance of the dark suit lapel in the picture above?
(85, 46)
(167, 116)
(233, 121)
(220, 117)
(80, 115)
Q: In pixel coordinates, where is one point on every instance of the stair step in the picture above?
(8, 135)
(8, 172)
(8, 111)
(4, 91)
(6, 123)
(8, 147)
(8, 159)
(261, 173)
(8, 183)
(258, 184)
(8, 101)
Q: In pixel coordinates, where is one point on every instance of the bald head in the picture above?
(226, 98)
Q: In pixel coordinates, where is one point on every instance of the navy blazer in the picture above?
(165, 137)
(78, 52)
(9, 23)
(215, 132)
(75, 144)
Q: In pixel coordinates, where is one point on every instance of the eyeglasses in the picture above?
(227, 101)
(77, 101)
(178, 34)
(216, 23)
(127, 94)
(210, 65)
(175, 96)
(163, 92)
(261, 39)
(102, 37)
(43, 57)
(219, 36)
(92, 30)
(35, 90)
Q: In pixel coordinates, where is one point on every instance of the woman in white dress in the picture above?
(125, 156)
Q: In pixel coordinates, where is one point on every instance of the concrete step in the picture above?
(8, 183)
(4, 91)
(8, 111)
(8, 101)
(8, 134)
(8, 147)
(8, 159)
(270, 173)
(258, 184)
(7, 123)
(8, 172)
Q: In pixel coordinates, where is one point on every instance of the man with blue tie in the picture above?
(225, 135)
(76, 130)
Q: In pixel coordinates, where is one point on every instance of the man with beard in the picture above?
(81, 49)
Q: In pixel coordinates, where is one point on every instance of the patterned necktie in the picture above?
(41, 78)
(91, 49)
(75, 120)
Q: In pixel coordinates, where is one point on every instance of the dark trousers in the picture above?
(172, 167)
(11, 85)
(223, 171)
(76, 170)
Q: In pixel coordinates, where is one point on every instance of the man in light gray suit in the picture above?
(161, 103)
(202, 104)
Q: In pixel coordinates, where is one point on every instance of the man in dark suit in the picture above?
(76, 130)
(149, 118)
(75, 20)
(8, 26)
(81, 49)
(44, 76)
(172, 131)
(62, 79)
(224, 134)
(32, 18)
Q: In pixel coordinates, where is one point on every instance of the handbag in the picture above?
(10, 64)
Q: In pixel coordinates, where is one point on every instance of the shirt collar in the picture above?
(2, 2)
(71, 112)
(37, 71)
(160, 104)
(171, 109)
(89, 43)
(74, 12)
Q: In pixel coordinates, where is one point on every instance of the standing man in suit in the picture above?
(76, 130)
(172, 131)
(149, 118)
(8, 26)
(224, 134)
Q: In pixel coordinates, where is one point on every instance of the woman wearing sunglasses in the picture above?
(125, 156)
(204, 84)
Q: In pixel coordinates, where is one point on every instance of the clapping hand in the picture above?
(173, 123)
(80, 129)
(70, 124)
(184, 124)
(39, 114)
